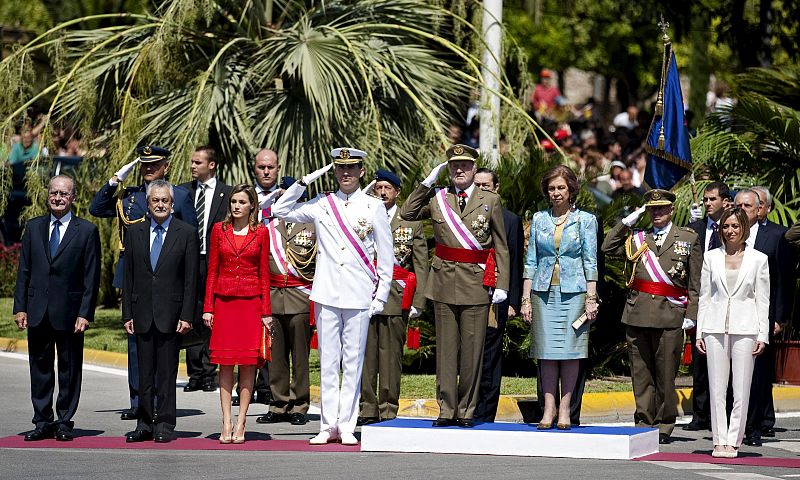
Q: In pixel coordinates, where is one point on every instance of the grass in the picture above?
(106, 333)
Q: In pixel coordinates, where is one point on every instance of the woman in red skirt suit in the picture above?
(237, 303)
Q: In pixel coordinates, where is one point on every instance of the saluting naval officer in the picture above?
(662, 301)
(129, 205)
(352, 280)
(292, 255)
(469, 272)
(383, 361)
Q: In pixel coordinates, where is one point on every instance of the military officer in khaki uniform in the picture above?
(664, 287)
(383, 359)
(469, 272)
(293, 249)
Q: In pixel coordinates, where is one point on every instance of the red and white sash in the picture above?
(656, 272)
(353, 242)
(278, 252)
(456, 225)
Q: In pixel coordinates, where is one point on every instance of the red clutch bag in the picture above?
(265, 349)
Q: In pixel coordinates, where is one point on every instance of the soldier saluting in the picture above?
(662, 301)
(129, 206)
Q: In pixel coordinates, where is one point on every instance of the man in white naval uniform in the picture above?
(350, 286)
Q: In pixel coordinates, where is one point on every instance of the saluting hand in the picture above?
(308, 179)
(208, 319)
(431, 178)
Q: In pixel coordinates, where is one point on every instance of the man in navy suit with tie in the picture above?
(130, 206)
(55, 297)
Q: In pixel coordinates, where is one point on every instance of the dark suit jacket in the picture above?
(699, 226)
(770, 241)
(168, 294)
(515, 236)
(63, 287)
(219, 204)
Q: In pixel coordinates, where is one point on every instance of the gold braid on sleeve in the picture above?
(123, 222)
(633, 257)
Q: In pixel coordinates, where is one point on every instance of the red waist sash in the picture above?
(287, 281)
(464, 255)
(657, 288)
(404, 275)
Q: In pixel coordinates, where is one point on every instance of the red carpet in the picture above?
(98, 442)
(707, 458)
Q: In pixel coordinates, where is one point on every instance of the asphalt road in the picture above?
(105, 394)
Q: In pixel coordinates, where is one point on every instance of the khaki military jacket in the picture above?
(681, 256)
(411, 253)
(300, 247)
(459, 283)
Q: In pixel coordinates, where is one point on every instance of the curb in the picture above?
(607, 406)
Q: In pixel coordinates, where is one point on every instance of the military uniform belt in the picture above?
(287, 281)
(465, 255)
(657, 288)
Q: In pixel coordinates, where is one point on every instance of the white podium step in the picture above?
(502, 438)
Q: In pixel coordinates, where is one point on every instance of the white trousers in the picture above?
(342, 339)
(729, 354)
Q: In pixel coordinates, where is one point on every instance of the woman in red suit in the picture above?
(237, 303)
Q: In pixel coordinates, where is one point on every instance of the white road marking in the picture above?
(690, 465)
(736, 476)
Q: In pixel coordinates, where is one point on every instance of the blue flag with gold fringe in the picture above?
(669, 157)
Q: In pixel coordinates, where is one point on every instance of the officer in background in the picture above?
(129, 206)
(383, 359)
(662, 302)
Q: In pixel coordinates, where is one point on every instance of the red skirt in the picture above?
(236, 332)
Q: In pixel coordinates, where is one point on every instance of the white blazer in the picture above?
(746, 306)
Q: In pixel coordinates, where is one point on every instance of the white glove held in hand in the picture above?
(631, 219)
(688, 324)
(375, 307)
(126, 170)
(499, 296)
(695, 213)
(308, 179)
(431, 178)
(414, 313)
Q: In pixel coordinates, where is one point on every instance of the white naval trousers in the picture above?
(728, 353)
(342, 339)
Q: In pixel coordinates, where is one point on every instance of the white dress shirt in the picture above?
(210, 188)
(468, 191)
(165, 225)
(391, 212)
(751, 240)
(61, 229)
(710, 231)
(661, 231)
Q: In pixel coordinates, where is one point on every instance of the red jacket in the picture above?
(243, 273)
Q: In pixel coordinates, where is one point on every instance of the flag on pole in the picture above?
(669, 157)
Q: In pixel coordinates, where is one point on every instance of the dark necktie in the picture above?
(462, 200)
(713, 242)
(55, 238)
(155, 249)
(200, 210)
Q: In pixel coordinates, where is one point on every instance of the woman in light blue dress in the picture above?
(559, 287)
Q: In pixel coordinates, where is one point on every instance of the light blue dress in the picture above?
(556, 307)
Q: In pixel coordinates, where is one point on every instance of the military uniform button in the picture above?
(652, 296)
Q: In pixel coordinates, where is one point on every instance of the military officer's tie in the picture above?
(200, 210)
(55, 238)
(155, 249)
(713, 242)
(462, 200)
(659, 239)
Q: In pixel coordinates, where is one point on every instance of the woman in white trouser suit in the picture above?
(732, 326)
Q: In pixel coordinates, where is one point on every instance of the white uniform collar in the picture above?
(349, 198)
(468, 190)
(392, 211)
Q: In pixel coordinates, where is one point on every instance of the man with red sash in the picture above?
(293, 249)
(383, 360)
(662, 302)
(352, 280)
(469, 272)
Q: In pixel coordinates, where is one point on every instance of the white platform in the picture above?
(502, 438)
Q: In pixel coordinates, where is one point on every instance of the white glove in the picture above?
(414, 313)
(270, 199)
(375, 307)
(431, 178)
(631, 219)
(499, 296)
(688, 324)
(308, 179)
(123, 172)
(695, 213)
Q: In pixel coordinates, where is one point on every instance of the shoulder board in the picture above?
(687, 230)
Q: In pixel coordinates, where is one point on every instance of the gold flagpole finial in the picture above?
(664, 26)
(659, 110)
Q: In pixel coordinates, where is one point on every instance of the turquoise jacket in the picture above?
(577, 254)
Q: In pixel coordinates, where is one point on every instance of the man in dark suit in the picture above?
(767, 237)
(491, 371)
(55, 297)
(130, 207)
(211, 198)
(158, 303)
(716, 198)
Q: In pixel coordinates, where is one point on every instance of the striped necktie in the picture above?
(200, 210)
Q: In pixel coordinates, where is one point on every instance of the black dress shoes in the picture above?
(139, 436)
(298, 418)
(443, 422)
(235, 401)
(64, 435)
(39, 434)
(210, 387)
(130, 414)
(664, 439)
(768, 432)
(271, 417)
(367, 420)
(465, 422)
(696, 426)
(162, 437)
(263, 397)
(192, 386)
(754, 440)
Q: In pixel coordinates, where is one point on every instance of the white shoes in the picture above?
(324, 437)
(349, 439)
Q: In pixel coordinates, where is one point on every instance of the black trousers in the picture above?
(158, 373)
(577, 394)
(43, 344)
(198, 362)
(761, 410)
(701, 406)
(492, 370)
